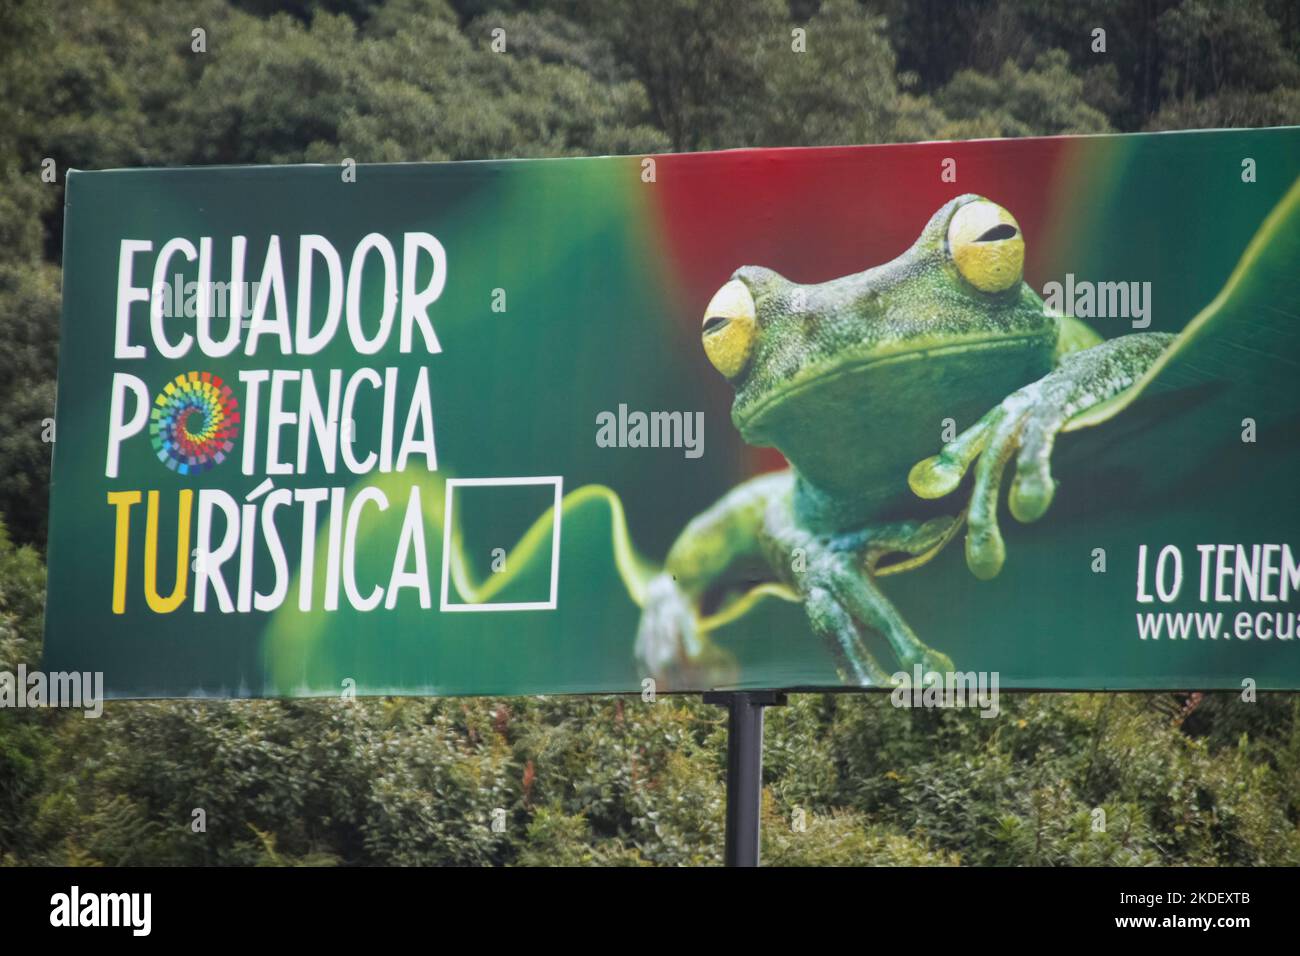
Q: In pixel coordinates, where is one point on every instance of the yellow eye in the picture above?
(730, 328)
(987, 246)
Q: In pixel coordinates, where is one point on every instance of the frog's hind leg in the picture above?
(865, 601)
(921, 541)
(836, 626)
(840, 594)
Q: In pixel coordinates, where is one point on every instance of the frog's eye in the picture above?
(987, 246)
(730, 328)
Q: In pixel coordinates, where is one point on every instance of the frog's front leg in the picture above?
(1029, 420)
(833, 575)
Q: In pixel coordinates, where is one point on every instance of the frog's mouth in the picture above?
(891, 381)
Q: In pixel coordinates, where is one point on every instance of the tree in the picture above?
(699, 60)
(843, 88)
(1044, 99)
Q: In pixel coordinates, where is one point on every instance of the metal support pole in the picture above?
(744, 768)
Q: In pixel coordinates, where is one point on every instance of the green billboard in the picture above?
(795, 418)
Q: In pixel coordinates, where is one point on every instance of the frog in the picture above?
(853, 380)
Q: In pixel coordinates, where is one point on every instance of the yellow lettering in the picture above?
(123, 501)
(157, 604)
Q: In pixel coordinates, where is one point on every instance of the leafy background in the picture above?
(106, 83)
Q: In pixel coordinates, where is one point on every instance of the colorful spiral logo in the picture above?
(194, 422)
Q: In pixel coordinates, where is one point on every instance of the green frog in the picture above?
(854, 380)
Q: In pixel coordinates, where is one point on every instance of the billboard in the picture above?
(789, 418)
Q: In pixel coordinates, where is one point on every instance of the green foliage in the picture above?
(1045, 99)
(1223, 45)
(1024, 787)
(1057, 779)
(697, 59)
(1279, 107)
(25, 744)
(29, 322)
(843, 838)
(22, 602)
(843, 89)
(1075, 779)
(648, 776)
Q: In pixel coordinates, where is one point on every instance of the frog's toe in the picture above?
(935, 477)
(1033, 487)
(985, 551)
(940, 474)
(1031, 492)
(935, 662)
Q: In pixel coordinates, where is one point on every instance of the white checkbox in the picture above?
(555, 481)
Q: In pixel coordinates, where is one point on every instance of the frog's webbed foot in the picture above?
(670, 644)
(1029, 420)
(843, 601)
